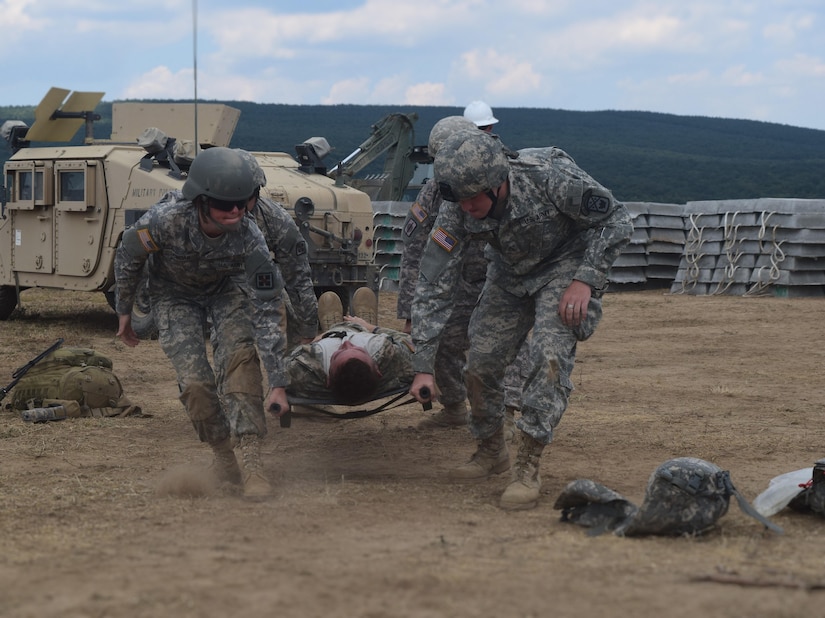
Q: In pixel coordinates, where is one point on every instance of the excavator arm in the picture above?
(392, 135)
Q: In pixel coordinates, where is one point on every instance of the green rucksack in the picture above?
(79, 379)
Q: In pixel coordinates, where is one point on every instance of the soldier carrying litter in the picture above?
(553, 233)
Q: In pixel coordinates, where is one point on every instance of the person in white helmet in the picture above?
(480, 114)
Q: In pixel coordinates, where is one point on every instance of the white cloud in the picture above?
(428, 93)
(698, 57)
(346, 91)
(739, 76)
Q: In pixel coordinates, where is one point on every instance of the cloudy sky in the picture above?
(749, 59)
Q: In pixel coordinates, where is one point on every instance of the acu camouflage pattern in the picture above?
(470, 163)
(812, 497)
(684, 496)
(290, 253)
(454, 342)
(558, 224)
(308, 380)
(195, 281)
(592, 505)
(292, 258)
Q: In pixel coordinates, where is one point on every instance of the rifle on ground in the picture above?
(21, 371)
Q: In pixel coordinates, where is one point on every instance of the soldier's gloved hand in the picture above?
(423, 387)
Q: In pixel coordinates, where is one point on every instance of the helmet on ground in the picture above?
(252, 162)
(444, 128)
(685, 495)
(479, 113)
(221, 174)
(469, 163)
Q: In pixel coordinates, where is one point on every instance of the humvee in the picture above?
(63, 208)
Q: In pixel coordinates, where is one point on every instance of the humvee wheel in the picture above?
(143, 318)
(8, 300)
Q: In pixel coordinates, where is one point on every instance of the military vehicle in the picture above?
(63, 208)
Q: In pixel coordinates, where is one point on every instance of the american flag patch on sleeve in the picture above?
(444, 240)
(419, 213)
(145, 238)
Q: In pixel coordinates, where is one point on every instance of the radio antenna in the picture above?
(195, 66)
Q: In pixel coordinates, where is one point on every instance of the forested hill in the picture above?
(641, 156)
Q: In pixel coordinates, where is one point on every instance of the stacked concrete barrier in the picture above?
(388, 221)
(765, 246)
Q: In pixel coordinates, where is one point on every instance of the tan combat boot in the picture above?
(225, 466)
(451, 415)
(509, 424)
(490, 458)
(523, 490)
(330, 310)
(255, 484)
(365, 305)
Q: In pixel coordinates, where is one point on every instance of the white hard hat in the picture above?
(480, 113)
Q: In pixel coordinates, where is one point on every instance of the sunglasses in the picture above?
(227, 206)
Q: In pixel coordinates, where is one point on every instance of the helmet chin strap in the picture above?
(497, 207)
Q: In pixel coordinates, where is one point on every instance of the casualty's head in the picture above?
(353, 374)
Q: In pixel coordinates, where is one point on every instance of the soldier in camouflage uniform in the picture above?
(205, 260)
(290, 250)
(454, 341)
(381, 357)
(553, 233)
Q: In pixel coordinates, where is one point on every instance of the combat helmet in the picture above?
(685, 495)
(444, 128)
(252, 162)
(221, 174)
(469, 163)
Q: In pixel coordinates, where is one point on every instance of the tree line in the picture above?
(640, 156)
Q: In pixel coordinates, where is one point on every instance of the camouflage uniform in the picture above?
(192, 279)
(454, 341)
(308, 365)
(556, 225)
(284, 239)
(290, 254)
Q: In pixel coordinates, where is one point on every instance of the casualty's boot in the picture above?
(365, 305)
(255, 484)
(523, 490)
(509, 424)
(330, 310)
(451, 415)
(490, 458)
(225, 465)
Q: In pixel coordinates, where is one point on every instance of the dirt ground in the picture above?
(116, 517)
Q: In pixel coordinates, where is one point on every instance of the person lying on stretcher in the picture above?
(353, 361)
